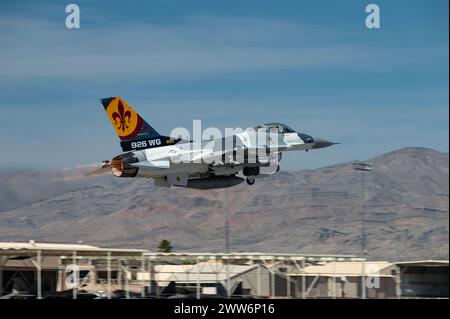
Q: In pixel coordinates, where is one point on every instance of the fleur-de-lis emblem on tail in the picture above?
(122, 117)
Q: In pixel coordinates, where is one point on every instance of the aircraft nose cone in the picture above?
(321, 143)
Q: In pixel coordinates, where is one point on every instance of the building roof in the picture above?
(50, 248)
(203, 272)
(346, 268)
(424, 263)
(47, 246)
(251, 256)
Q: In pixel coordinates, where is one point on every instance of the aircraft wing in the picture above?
(237, 154)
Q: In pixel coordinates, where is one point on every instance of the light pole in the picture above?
(363, 167)
(227, 241)
(227, 224)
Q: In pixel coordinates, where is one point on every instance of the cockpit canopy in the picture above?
(277, 127)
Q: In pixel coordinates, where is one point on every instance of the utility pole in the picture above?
(227, 224)
(363, 167)
(227, 242)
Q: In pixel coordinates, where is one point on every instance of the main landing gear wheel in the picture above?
(250, 180)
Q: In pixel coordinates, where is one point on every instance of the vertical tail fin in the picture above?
(134, 132)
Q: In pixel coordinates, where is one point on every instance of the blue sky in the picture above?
(310, 64)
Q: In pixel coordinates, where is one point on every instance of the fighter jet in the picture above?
(211, 164)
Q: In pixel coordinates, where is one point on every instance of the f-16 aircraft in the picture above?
(211, 164)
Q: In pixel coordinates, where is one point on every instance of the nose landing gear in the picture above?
(250, 180)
